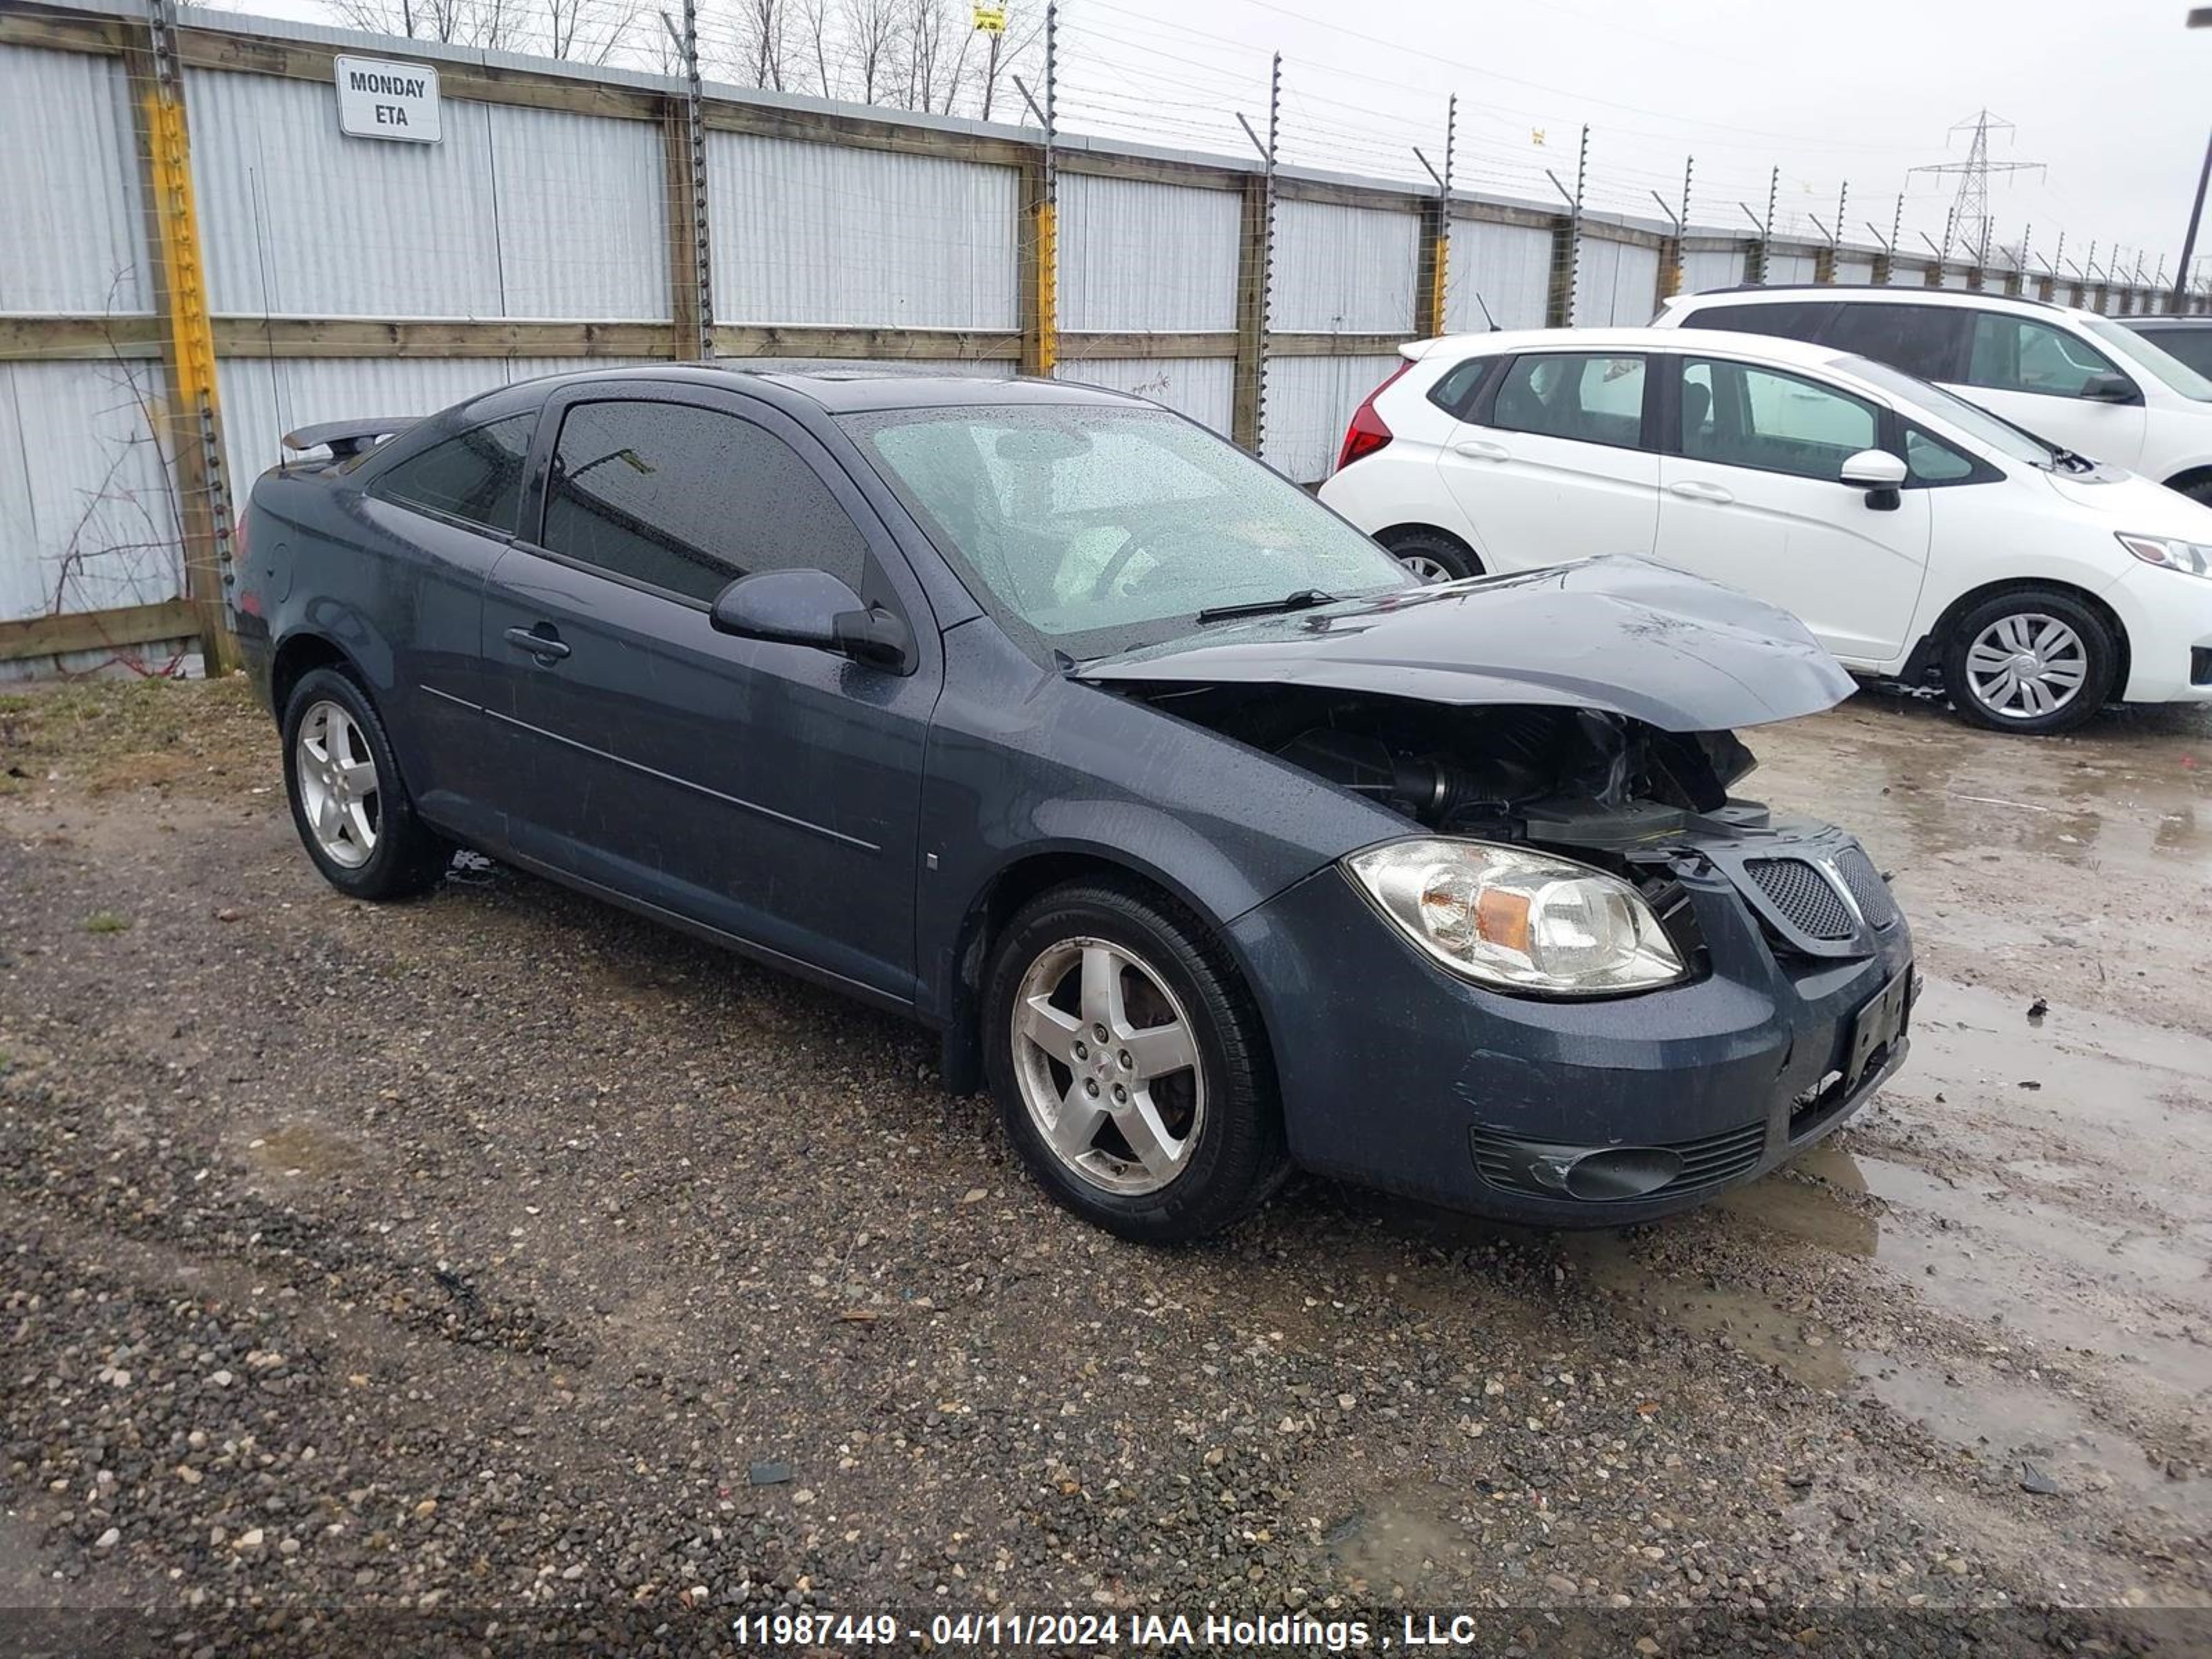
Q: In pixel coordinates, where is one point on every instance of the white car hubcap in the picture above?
(2024, 666)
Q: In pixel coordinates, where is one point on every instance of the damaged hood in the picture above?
(1616, 634)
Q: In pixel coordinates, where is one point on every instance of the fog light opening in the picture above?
(1622, 1172)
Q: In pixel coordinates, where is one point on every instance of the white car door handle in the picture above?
(1690, 490)
(1476, 450)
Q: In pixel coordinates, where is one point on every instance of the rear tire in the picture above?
(1434, 556)
(2034, 660)
(348, 802)
(1170, 1129)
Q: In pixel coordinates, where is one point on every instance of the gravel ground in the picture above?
(497, 1270)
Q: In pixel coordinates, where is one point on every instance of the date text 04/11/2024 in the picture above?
(1294, 1631)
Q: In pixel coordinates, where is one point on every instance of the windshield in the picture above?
(2151, 358)
(1093, 528)
(1975, 422)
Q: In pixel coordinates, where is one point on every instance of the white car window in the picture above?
(2149, 356)
(2018, 354)
(1597, 399)
(1735, 415)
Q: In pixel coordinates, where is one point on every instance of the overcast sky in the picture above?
(2115, 99)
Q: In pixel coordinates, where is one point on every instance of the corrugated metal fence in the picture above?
(546, 230)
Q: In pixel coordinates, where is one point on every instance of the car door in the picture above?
(1554, 462)
(1751, 498)
(2038, 375)
(768, 791)
(443, 515)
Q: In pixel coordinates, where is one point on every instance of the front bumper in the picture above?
(1397, 1075)
(2167, 617)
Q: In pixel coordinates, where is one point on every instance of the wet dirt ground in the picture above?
(498, 1257)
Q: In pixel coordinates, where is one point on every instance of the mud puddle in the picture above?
(2024, 1273)
(2040, 1435)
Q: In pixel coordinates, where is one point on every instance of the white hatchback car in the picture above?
(2089, 382)
(1918, 536)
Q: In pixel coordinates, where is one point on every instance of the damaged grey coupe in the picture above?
(1207, 838)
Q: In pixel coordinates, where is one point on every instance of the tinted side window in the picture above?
(1738, 416)
(1597, 399)
(2018, 354)
(2192, 346)
(1789, 320)
(689, 500)
(1454, 393)
(477, 477)
(1923, 340)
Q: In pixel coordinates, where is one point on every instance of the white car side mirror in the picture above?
(1873, 469)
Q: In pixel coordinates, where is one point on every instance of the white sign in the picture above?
(382, 100)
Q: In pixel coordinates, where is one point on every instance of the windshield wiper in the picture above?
(1304, 599)
(2072, 462)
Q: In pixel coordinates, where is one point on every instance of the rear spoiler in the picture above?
(346, 439)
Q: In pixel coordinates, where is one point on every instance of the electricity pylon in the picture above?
(1970, 208)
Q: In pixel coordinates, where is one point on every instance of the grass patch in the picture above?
(106, 921)
(104, 734)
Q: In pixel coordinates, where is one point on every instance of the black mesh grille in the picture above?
(1868, 887)
(1807, 899)
(1708, 1161)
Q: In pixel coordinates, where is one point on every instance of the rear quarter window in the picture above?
(2192, 346)
(476, 477)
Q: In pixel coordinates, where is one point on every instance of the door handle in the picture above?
(1476, 450)
(548, 646)
(1691, 490)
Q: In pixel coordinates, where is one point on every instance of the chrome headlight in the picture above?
(2195, 558)
(1517, 920)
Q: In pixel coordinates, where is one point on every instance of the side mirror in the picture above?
(2109, 389)
(812, 607)
(1878, 473)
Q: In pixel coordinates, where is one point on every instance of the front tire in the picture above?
(349, 801)
(2035, 660)
(1129, 1065)
(1433, 555)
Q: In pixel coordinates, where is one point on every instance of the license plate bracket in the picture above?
(1877, 1026)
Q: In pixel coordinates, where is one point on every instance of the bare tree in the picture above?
(456, 22)
(816, 29)
(586, 31)
(873, 41)
(764, 39)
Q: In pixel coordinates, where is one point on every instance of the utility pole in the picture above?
(2200, 18)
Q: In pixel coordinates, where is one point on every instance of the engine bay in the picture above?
(1590, 779)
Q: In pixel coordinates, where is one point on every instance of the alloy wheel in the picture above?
(1109, 1067)
(338, 792)
(1424, 567)
(2027, 665)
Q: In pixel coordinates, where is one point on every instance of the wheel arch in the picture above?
(300, 654)
(1011, 887)
(1925, 664)
(1421, 527)
(2191, 478)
